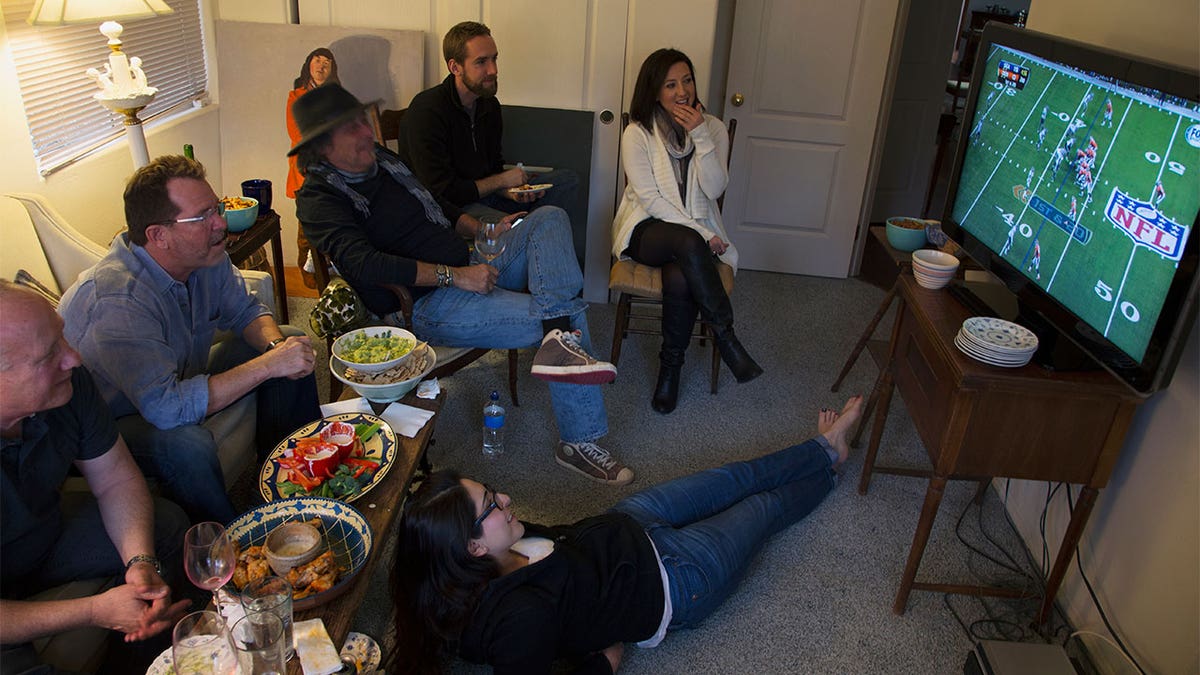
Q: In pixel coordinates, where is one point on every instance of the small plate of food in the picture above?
(537, 187)
(341, 456)
(346, 536)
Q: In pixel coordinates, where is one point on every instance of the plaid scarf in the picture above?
(396, 170)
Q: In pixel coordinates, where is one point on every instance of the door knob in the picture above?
(737, 100)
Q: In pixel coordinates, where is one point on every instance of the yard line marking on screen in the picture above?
(1112, 144)
(1121, 288)
(992, 175)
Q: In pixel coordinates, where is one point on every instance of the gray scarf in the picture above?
(678, 143)
(399, 173)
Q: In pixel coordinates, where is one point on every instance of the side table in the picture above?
(241, 245)
(979, 421)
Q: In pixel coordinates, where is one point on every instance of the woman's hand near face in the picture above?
(688, 117)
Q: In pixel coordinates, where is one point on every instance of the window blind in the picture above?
(65, 121)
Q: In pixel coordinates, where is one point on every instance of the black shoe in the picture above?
(666, 392)
(735, 356)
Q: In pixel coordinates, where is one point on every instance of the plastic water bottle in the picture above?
(493, 427)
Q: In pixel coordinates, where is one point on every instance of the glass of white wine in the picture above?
(489, 240)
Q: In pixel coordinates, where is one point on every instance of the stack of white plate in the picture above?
(996, 342)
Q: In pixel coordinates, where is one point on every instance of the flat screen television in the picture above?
(1076, 182)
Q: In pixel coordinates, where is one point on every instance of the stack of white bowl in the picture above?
(996, 341)
(933, 269)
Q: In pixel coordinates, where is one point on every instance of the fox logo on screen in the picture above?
(1146, 225)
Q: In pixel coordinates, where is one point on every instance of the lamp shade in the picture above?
(59, 12)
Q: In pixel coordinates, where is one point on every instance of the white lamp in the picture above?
(123, 87)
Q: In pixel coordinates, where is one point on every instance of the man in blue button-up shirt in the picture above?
(144, 319)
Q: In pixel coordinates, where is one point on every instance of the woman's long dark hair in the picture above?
(436, 582)
(650, 81)
(305, 79)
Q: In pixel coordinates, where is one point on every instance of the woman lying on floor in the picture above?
(474, 580)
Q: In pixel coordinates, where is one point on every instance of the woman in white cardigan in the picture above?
(674, 157)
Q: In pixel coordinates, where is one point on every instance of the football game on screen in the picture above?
(1087, 186)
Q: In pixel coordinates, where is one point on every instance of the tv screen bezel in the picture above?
(1168, 339)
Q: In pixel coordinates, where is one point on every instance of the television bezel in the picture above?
(1169, 337)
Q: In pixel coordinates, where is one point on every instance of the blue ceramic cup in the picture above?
(260, 189)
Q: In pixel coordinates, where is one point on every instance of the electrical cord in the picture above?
(1096, 600)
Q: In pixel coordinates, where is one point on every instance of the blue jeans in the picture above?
(538, 257)
(184, 459)
(707, 526)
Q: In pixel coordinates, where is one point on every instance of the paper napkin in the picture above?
(404, 419)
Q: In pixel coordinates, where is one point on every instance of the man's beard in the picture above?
(481, 88)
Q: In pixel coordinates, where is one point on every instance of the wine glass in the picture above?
(200, 646)
(489, 241)
(209, 557)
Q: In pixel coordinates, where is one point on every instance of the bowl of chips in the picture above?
(391, 384)
(240, 212)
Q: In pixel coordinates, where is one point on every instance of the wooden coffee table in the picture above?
(381, 506)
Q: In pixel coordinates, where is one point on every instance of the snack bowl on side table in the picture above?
(240, 213)
(906, 234)
(343, 528)
(381, 387)
(934, 261)
(363, 348)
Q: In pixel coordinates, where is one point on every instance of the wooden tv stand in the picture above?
(979, 421)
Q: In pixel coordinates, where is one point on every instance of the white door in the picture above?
(916, 108)
(811, 76)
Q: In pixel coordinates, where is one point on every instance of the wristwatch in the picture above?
(274, 343)
(146, 558)
(445, 277)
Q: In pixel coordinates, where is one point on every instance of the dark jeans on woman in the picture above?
(708, 526)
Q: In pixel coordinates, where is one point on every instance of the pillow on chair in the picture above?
(338, 310)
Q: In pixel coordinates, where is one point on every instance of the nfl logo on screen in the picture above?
(1145, 225)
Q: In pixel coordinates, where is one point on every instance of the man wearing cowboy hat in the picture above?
(363, 207)
(144, 318)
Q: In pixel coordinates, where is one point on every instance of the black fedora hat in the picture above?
(324, 109)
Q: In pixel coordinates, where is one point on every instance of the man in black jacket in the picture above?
(450, 136)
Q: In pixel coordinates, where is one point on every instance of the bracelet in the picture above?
(146, 558)
(445, 277)
(274, 343)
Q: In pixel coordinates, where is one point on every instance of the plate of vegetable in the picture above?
(341, 457)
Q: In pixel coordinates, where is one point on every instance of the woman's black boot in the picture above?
(666, 392)
(678, 317)
(734, 355)
(705, 284)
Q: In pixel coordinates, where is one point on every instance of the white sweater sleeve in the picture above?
(637, 153)
(712, 153)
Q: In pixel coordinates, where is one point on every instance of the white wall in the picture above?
(1141, 549)
(88, 192)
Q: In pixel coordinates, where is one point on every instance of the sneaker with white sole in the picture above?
(562, 359)
(594, 462)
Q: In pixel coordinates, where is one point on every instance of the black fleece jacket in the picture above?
(446, 148)
(601, 585)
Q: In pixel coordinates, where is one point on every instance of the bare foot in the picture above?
(825, 420)
(839, 427)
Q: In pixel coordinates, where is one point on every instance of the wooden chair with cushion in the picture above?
(640, 299)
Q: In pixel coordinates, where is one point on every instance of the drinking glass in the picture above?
(489, 241)
(258, 641)
(200, 646)
(208, 557)
(274, 595)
